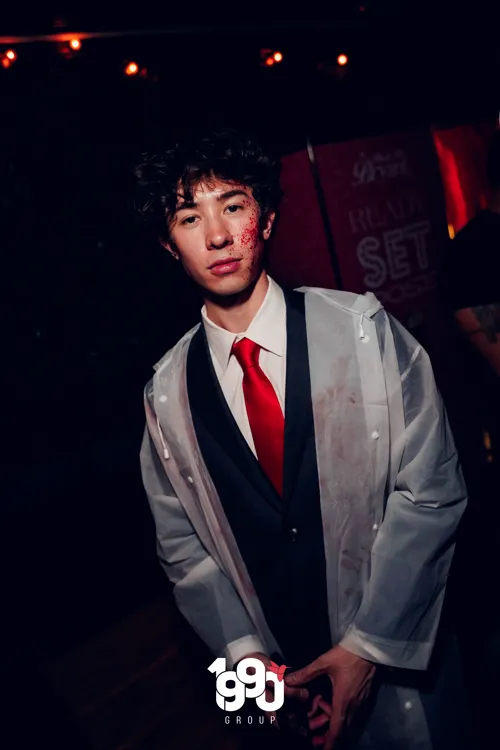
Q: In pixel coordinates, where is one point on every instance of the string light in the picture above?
(342, 60)
(132, 69)
(67, 44)
(8, 58)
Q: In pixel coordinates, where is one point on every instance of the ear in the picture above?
(268, 225)
(169, 248)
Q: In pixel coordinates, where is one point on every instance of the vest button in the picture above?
(293, 534)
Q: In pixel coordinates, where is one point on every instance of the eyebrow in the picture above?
(222, 197)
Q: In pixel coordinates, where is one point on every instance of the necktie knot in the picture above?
(247, 353)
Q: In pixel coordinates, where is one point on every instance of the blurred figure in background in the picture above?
(470, 291)
(471, 279)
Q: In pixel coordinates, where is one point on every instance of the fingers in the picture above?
(337, 721)
(301, 694)
(319, 703)
(318, 722)
(314, 669)
(314, 706)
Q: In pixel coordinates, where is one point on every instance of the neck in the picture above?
(235, 313)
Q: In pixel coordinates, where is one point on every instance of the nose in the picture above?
(218, 234)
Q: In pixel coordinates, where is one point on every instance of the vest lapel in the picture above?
(208, 404)
(299, 424)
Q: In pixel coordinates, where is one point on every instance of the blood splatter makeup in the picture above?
(250, 234)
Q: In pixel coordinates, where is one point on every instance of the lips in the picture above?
(224, 262)
(225, 266)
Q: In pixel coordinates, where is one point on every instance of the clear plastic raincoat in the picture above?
(392, 495)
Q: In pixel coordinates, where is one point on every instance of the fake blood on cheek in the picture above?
(249, 236)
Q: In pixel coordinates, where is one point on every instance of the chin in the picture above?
(225, 286)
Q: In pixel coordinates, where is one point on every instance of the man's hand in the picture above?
(351, 678)
(301, 694)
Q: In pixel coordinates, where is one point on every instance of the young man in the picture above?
(300, 468)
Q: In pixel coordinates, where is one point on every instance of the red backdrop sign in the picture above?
(385, 202)
(385, 206)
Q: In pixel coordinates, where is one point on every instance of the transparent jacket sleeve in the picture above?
(397, 621)
(203, 593)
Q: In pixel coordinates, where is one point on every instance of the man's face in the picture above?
(219, 237)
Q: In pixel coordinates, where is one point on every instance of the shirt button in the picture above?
(408, 705)
(375, 527)
(375, 435)
(163, 399)
(190, 480)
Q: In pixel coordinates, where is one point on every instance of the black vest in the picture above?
(280, 539)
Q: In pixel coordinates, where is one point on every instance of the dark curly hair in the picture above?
(224, 154)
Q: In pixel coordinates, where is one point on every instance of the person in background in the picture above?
(300, 469)
(470, 294)
(471, 275)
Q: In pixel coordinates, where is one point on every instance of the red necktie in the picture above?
(264, 412)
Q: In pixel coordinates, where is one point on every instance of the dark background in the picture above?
(90, 301)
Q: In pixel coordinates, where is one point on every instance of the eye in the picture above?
(189, 220)
(234, 208)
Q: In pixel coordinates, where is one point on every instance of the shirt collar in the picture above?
(268, 328)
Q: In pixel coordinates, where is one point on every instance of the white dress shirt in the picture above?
(268, 329)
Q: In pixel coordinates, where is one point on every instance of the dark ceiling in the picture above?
(409, 63)
(85, 16)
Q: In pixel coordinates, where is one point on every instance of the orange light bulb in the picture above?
(75, 44)
(278, 57)
(132, 69)
(11, 55)
(342, 60)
